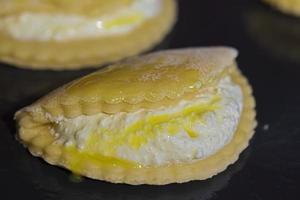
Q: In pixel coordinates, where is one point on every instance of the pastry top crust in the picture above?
(149, 81)
(82, 7)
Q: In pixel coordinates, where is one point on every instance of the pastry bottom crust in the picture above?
(87, 52)
(41, 142)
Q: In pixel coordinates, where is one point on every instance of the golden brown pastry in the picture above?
(170, 116)
(69, 34)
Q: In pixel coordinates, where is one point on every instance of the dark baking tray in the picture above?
(269, 46)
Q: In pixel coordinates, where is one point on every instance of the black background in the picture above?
(269, 46)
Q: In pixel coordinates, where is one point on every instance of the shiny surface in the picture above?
(48, 26)
(168, 75)
(269, 169)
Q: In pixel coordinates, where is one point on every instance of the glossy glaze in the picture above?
(269, 169)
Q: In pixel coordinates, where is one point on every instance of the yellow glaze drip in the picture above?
(124, 20)
(188, 127)
(173, 127)
(77, 160)
(159, 119)
(142, 131)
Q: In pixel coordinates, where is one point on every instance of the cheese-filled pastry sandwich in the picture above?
(291, 7)
(166, 117)
(72, 34)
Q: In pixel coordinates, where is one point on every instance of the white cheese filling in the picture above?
(214, 130)
(61, 27)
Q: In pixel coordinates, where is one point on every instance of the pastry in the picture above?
(287, 6)
(278, 35)
(170, 116)
(58, 183)
(70, 34)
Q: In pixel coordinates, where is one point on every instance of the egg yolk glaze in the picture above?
(193, 129)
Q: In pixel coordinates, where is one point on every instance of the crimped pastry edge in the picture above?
(41, 143)
(92, 52)
(213, 63)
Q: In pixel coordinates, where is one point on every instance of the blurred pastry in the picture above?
(170, 116)
(70, 34)
(287, 6)
(277, 34)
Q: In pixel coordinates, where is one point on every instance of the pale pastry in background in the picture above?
(276, 34)
(170, 116)
(72, 34)
(291, 7)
